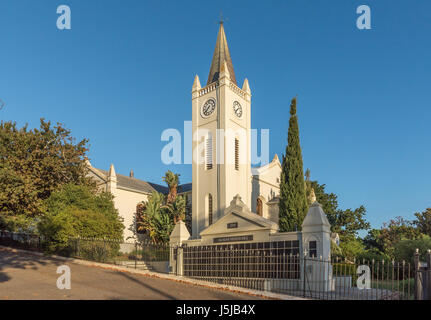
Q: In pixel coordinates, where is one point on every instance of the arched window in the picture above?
(209, 152)
(259, 207)
(312, 248)
(236, 154)
(210, 209)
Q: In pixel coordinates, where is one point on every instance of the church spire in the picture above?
(221, 56)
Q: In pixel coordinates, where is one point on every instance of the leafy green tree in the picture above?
(346, 222)
(372, 254)
(293, 201)
(373, 241)
(352, 248)
(423, 222)
(336, 250)
(33, 164)
(75, 211)
(396, 230)
(405, 249)
(385, 239)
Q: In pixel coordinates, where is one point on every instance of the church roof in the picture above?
(139, 185)
(187, 187)
(221, 55)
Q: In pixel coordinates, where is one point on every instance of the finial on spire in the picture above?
(222, 19)
(221, 55)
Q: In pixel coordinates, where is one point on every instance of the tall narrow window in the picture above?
(259, 207)
(210, 209)
(312, 247)
(209, 152)
(236, 154)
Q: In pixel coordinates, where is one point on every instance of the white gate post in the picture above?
(316, 229)
(177, 237)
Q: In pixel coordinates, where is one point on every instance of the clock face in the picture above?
(208, 108)
(237, 109)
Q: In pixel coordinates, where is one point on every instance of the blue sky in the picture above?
(124, 73)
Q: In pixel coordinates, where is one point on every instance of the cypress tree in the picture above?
(293, 200)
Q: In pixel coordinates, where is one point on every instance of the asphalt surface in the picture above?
(30, 277)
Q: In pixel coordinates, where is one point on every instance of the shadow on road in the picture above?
(11, 260)
(147, 286)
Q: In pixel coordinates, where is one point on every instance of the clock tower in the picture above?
(221, 140)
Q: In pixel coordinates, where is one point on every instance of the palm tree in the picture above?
(172, 180)
(177, 209)
(152, 217)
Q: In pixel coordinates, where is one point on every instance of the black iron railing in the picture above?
(279, 267)
(139, 255)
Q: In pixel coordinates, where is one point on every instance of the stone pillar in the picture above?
(316, 238)
(178, 236)
(418, 276)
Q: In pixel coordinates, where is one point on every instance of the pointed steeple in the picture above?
(246, 86)
(111, 173)
(111, 184)
(221, 55)
(196, 84)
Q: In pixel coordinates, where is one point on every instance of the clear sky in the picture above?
(124, 73)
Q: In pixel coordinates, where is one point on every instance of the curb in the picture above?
(257, 293)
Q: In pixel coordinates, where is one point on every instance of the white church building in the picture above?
(225, 170)
(234, 206)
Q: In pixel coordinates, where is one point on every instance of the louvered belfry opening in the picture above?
(209, 152)
(236, 154)
(210, 209)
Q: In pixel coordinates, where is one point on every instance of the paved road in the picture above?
(24, 276)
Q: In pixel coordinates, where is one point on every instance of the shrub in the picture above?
(74, 211)
(351, 248)
(341, 269)
(96, 250)
(373, 254)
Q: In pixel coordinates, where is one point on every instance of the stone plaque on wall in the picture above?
(232, 225)
(233, 239)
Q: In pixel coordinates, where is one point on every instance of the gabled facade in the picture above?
(128, 192)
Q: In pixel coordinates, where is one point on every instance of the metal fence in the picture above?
(139, 255)
(269, 266)
(278, 267)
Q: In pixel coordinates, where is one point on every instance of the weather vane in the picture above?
(222, 19)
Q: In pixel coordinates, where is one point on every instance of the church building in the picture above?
(221, 168)
(221, 116)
